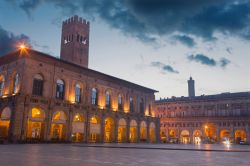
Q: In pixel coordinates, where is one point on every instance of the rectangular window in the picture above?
(37, 87)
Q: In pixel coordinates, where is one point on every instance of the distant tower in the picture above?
(75, 41)
(191, 90)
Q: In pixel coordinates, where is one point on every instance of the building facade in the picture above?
(205, 119)
(43, 98)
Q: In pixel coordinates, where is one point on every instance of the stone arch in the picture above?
(210, 133)
(58, 126)
(35, 124)
(152, 132)
(240, 136)
(94, 129)
(172, 136)
(143, 131)
(122, 130)
(224, 135)
(185, 137)
(133, 131)
(78, 127)
(5, 117)
(109, 130)
(197, 136)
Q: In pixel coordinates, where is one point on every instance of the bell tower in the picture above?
(75, 41)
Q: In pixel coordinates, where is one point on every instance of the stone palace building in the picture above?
(43, 98)
(206, 118)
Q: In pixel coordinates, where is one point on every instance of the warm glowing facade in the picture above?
(43, 98)
(205, 119)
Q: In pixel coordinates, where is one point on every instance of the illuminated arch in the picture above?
(240, 135)
(78, 128)
(185, 137)
(143, 131)
(133, 131)
(5, 122)
(122, 130)
(109, 129)
(152, 133)
(197, 136)
(94, 129)
(58, 126)
(35, 124)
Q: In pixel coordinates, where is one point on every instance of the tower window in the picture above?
(37, 85)
(60, 89)
(77, 38)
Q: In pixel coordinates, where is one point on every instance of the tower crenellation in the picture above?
(75, 41)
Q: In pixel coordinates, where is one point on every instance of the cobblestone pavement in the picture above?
(123, 154)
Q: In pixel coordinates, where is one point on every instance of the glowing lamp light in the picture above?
(22, 46)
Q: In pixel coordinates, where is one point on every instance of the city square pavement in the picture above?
(123, 154)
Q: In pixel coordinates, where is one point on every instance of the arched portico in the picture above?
(5, 116)
(197, 136)
(143, 132)
(152, 135)
(109, 129)
(35, 124)
(185, 137)
(210, 133)
(78, 128)
(133, 131)
(224, 135)
(94, 129)
(240, 136)
(122, 130)
(58, 126)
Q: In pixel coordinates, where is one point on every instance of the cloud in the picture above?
(148, 20)
(163, 67)
(205, 60)
(224, 62)
(9, 41)
(186, 40)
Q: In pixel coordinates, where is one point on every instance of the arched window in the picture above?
(1, 85)
(131, 104)
(120, 102)
(16, 82)
(108, 100)
(37, 85)
(94, 97)
(149, 110)
(141, 106)
(78, 93)
(60, 89)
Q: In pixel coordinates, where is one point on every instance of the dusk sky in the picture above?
(155, 43)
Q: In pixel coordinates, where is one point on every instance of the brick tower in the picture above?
(75, 41)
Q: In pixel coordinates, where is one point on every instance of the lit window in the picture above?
(16, 82)
(131, 104)
(78, 93)
(108, 100)
(37, 85)
(120, 103)
(60, 89)
(94, 97)
(1, 85)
